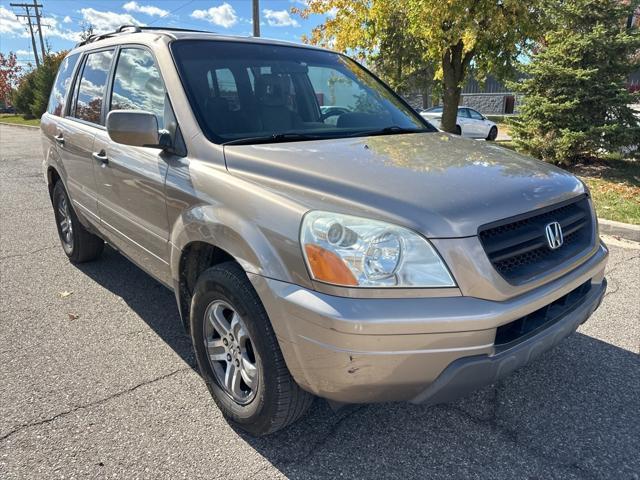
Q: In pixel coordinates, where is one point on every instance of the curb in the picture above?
(619, 229)
(19, 126)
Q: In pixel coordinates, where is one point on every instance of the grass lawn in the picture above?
(615, 187)
(18, 120)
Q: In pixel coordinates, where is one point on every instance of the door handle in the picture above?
(100, 156)
(59, 138)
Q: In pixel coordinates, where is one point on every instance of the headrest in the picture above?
(272, 89)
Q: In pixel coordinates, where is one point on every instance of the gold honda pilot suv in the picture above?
(321, 237)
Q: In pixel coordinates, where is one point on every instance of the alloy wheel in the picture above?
(230, 352)
(65, 223)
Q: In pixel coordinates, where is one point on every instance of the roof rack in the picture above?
(124, 29)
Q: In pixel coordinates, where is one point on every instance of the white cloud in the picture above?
(9, 23)
(107, 21)
(54, 30)
(23, 53)
(223, 15)
(67, 19)
(279, 18)
(146, 9)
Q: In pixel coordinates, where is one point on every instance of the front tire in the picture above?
(238, 354)
(493, 134)
(78, 243)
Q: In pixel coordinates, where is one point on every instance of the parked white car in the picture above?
(470, 123)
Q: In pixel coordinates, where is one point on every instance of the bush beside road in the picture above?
(97, 380)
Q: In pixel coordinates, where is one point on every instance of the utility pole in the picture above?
(256, 18)
(29, 16)
(42, 49)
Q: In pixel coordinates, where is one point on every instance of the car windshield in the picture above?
(244, 92)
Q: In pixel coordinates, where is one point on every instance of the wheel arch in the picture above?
(196, 257)
(207, 235)
(53, 177)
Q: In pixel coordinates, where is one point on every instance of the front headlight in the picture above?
(358, 252)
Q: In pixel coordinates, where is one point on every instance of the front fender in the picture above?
(259, 250)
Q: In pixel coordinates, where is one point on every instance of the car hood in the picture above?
(439, 184)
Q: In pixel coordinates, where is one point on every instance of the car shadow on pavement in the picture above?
(571, 414)
(149, 299)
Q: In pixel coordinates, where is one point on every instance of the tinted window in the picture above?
(475, 115)
(137, 84)
(92, 86)
(463, 112)
(245, 90)
(435, 109)
(61, 85)
(226, 86)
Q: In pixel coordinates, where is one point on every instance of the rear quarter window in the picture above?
(61, 86)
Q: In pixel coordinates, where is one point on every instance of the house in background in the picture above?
(490, 98)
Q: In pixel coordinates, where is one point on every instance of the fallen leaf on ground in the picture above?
(73, 316)
(65, 294)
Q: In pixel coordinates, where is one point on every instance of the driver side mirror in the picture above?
(137, 128)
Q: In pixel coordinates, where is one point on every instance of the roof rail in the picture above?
(124, 29)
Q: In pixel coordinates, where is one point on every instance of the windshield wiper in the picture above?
(392, 130)
(273, 138)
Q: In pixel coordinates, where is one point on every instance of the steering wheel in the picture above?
(333, 111)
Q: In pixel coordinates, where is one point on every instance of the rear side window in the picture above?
(93, 83)
(61, 85)
(137, 84)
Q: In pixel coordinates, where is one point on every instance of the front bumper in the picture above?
(423, 350)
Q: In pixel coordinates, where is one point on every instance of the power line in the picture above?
(36, 15)
(173, 11)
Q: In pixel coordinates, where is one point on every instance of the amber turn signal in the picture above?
(327, 267)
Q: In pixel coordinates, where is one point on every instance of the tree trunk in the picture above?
(426, 94)
(451, 100)
(427, 86)
(454, 68)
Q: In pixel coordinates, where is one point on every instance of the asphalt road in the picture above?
(100, 382)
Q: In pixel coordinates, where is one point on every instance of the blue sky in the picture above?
(64, 17)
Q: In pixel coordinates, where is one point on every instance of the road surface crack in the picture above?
(492, 421)
(101, 401)
(26, 254)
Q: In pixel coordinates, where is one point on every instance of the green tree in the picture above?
(45, 75)
(378, 36)
(431, 35)
(575, 97)
(32, 95)
(22, 96)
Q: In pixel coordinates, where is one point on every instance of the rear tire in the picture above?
(264, 399)
(78, 243)
(493, 134)
(458, 130)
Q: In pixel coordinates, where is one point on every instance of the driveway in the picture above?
(97, 380)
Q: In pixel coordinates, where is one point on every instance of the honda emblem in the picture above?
(553, 231)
